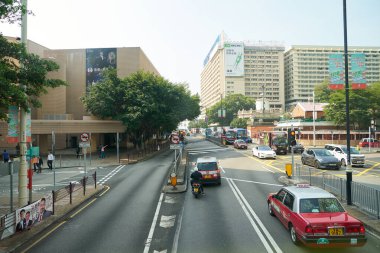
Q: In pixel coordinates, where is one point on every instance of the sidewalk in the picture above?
(371, 223)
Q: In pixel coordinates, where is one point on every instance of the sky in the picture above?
(176, 35)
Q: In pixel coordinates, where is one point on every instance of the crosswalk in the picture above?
(206, 150)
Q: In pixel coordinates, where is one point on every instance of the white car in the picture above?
(263, 152)
(340, 152)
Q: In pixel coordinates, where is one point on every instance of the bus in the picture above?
(241, 134)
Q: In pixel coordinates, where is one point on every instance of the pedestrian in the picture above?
(102, 152)
(5, 156)
(50, 160)
(35, 163)
(78, 152)
(40, 163)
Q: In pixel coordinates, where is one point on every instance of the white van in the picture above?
(340, 152)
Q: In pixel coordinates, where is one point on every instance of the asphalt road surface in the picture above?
(134, 216)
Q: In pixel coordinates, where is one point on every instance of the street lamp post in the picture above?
(348, 166)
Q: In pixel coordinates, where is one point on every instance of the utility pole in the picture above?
(348, 166)
(22, 176)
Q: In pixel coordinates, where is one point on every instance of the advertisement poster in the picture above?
(97, 60)
(28, 128)
(13, 124)
(234, 59)
(358, 69)
(336, 72)
(33, 214)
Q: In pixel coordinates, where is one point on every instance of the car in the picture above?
(210, 169)
(240, 144)
(320, 158)
(248, 140)
(315, 217)
(263, 151)
(369, 142)
(340, 152)
(298, 148)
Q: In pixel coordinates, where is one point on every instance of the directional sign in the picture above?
(84, 137)
(84, 144)
(175, 146)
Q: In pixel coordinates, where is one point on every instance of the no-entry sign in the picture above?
(84, 137)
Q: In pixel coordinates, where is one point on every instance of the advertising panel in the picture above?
(97, 60)
(12, 124)
(212, 51)
(33, 214)
(336, 72)
(358, 69)
(234, 59)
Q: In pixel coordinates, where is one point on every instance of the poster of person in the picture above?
(31, 215)
(97, 60)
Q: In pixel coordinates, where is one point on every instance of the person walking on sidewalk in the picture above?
(35, 163)
(50, 160)
(40, 163)
(5, 156)
(102, 152)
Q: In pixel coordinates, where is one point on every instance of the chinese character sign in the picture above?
(358, 71)
(336, 72)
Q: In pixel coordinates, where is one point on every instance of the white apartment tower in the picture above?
(307, 66)
(252, 69)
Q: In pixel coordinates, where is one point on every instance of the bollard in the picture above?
(53, 194)
(288, 170)
(173, 180)
(71, 192)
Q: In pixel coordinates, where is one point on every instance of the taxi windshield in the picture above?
(320, 205)
(207, 166)
(264, 148)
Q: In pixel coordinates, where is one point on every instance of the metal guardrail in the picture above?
(364, 197)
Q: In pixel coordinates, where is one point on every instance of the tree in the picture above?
(198, 123)
(322, 92)
(232, 104)
(19, 67)
(239, 123)
(144, 102)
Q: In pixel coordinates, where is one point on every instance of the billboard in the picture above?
(234, 59)
(358, 70)
(212, 51)
(336, 72)
(97, 60)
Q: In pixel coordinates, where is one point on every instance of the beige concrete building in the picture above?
(62, 111)
(307, 66)
(251, 69)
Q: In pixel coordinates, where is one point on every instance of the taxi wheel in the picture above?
(270, 209)
(317, 165)
(303, 161)
(293, 234)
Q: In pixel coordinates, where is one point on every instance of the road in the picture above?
(134, 216)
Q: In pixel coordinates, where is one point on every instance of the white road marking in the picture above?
(151, 231)
(110, 174)
(177, 231)
(245, 205)
(222, 169)
(164, 251)
(167, 221)
(254, 182)
(169, 199)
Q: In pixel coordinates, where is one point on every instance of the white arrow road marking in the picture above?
(167, 221)
(170, 199)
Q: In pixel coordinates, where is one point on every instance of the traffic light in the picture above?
(292, 137)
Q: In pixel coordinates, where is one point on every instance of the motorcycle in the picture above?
(196, 189)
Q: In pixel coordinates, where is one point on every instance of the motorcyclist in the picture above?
(196, 177)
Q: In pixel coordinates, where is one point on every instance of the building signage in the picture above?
(234, 59)
(358, 71)
(212, 51)
(336, 72)
(97, 60)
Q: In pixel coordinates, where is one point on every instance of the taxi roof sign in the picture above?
(303, 185)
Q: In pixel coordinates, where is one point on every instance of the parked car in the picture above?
(315, 217)
(369, 142)
(298, 148)
(263, 152)
(210, 169)
(340, 152)
(240, 144)
(320, 158)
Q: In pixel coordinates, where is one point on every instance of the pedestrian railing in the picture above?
(366, 198)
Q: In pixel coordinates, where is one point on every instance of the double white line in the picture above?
(111, 174)
(256, 223)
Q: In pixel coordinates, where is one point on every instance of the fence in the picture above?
(364, 197)
(8, 221)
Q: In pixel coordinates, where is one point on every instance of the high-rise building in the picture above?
(307, 66)
(252, 69)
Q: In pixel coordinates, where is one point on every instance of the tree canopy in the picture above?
(232, 104)
(144, 102)
(364, 105)
(239, 123)
(19, 67)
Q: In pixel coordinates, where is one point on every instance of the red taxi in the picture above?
(315, 217)
(209, 167)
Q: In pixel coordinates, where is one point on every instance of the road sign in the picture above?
(84, 137)
(84, 144)
(175, 146)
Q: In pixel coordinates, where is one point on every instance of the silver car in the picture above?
(320, 158)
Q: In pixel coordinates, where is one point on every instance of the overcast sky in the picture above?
(176, 35)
